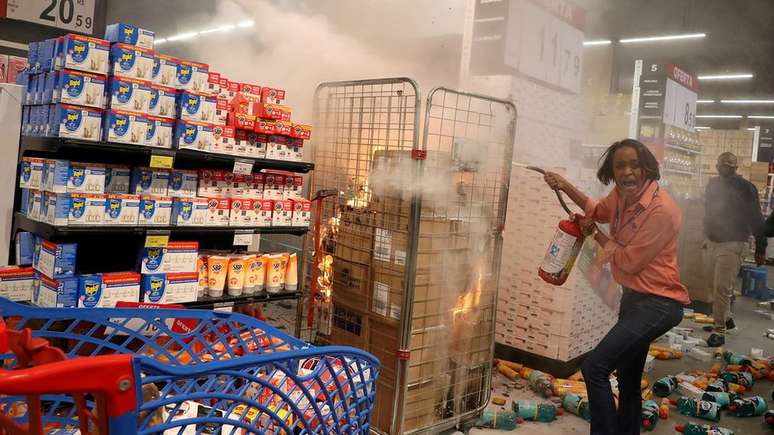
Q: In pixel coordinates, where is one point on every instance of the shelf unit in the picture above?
(680, 171)
(94, 254)
(682, 148)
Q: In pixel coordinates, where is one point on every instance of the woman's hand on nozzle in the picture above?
(555, 181)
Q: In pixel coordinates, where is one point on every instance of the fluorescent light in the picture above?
(159, 41)
(726, 76)
(760, 116)
(183, 36)
(663, 38)
(702, 128)
(597, 42)
(247, 23)
(218, 29)
(751, 129)
(747, 101)
(704, 101)
(720, 116)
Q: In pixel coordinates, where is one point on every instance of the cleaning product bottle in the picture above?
(540, 382)
(496, 419)
(744, 379)
(719, 397)
(665, 386)
(736, 358)
(697, 408)
(748, 407)
(577, 405)
(769, 418)
(702, 429)
(663, 409)
(719, 385)
(649, 415)
(532, 411)
(735, 388)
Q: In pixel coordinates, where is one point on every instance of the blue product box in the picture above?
(152, 260)
(86, 209)
(121, 209)
(24, 203)
(75, 122)
(182, 183)
(76, 87)
(131, 61)
(46, 56)
(55, 175)
(32, 55)
(86, 178)
(189, 211)
(163, 101)
(153, 287)
(160, 132)
(105, 289)
(192, 76)
(130, 34)
(193, 135)
(57, 208)
(83, 53)
(155, 211)
(35, 198)
(117, 178)
(55, 292)
(125, 127)
(31, 173)
(164, 70)
(128, 94)
(149, 181)
(25, 122)
(56, 260)
(194, 106)
(25, 246)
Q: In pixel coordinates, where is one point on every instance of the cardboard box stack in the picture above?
(555, 322)
(715, 142)
(689, 251)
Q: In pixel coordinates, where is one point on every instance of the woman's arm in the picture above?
(599, 211)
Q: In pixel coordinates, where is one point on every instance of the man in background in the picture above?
(732, 214)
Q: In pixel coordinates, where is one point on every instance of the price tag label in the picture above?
(243, 238)
(156, 240)
(225, 307)
(159, 161)
(77, 15)
(243, 167)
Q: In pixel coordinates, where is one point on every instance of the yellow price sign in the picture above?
(156, 241)
(161, 162)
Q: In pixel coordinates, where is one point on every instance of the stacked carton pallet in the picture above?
(715, 142)
(555, 322)
(690, 253)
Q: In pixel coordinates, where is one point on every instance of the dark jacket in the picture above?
(733, 212)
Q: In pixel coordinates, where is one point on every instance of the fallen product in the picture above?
(649, 415)
(495, 419)
(736, 358)
(721, 398)
(702, 429)
(665, 386)
(663, 409)
(748, 407)
(577, 405)
(532, 411)
(697, 408)
(744, 379)
(769, 418)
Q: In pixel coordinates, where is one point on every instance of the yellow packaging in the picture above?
(254, 272)
(201, 266)
(291, 273)
(217, 271)
(236, 275)
(275, 273)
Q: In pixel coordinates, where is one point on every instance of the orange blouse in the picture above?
(642, 249)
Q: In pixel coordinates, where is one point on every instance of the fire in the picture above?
(465, 310)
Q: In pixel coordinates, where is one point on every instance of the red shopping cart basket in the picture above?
(127, 371)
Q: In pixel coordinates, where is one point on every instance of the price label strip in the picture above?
(243, 237)
(162, 160)
(156, 239)
(77, 15)
(243, 166)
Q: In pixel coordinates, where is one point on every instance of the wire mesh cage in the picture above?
(414, 237)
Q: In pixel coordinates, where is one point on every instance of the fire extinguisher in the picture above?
(565, 246)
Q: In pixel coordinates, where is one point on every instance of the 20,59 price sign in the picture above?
(76, 15)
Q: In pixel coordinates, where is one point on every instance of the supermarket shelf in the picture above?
(682, 148)
(679, 171)
(226, 300)
(55, 145)
(47, 231)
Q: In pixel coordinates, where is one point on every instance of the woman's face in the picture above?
(627, 172)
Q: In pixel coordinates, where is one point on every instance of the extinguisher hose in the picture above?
(558, 194)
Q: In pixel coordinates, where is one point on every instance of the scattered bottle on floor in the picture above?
(715, 369)
(702, 429)
(663, 409)
(748, 407)
(496, 419)
(736, 358)
(768, 417)
(649, 415)
(665, 386)
(532, 411)
(719, 385)
(577, 405)
(697, 408)
(735, 388)
(721, 398)
(539, 382)
(744, 379)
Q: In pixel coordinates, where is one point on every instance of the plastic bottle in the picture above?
(744, 379)
(697, 408)
(665, 386)
(532, 411)
(722, 399)
(540, 382)
(649, 415)
(715, 369)
(577, 405)
(496, 419)
(748, 407)
(663, 409)
(702, 429)
(769, 418)
(735, 388)
(719, 385)
(736, 358)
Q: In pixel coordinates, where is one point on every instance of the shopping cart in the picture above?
(127, 371)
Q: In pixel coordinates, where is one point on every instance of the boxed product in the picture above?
(193, 135)
(149, 181)
(180, 257)
(223, 139)
(213, 84)
(272, 96)
(196, 106)
(83, 53)
(249, 88)
(250, 144)
(103, 290)
(228, 89)
(75, 87)
(16, 283)
(253, 186)
(25, 201)
(25, 247)
(189, 211)
(302, 212)
(130, 34)
(122, 209)
(117, 178)
(243, 121)
(218, 211)
(163, 101)
(4, 67)
(55, 260)
(273, 186)
(294, 187)
(272, 111)
(301, 131)
(55, 208)
(160, 132)
(282, 215)
(152, 260)
(295, 150)
(182, 183)
(128, 94)
(170, 288)
(55, 292)
(125, 127)
(71, 122)
(221, 111)
(282, 128)
(242, 213)
(34, 200)
(16, 67)
(86, 209)
(209, 183)
(264, 126)
(131, 61)
(164, 70)
(85, 178)
(191, 76)
(155, 211)
(263, 212)
(56, 173)
(31, 173)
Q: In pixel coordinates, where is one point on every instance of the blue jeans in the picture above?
(641, 319)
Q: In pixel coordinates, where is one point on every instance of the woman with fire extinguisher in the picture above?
(642, 251)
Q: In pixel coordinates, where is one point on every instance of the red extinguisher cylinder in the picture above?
(562, 252)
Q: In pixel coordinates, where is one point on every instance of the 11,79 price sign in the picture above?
(75, 15)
